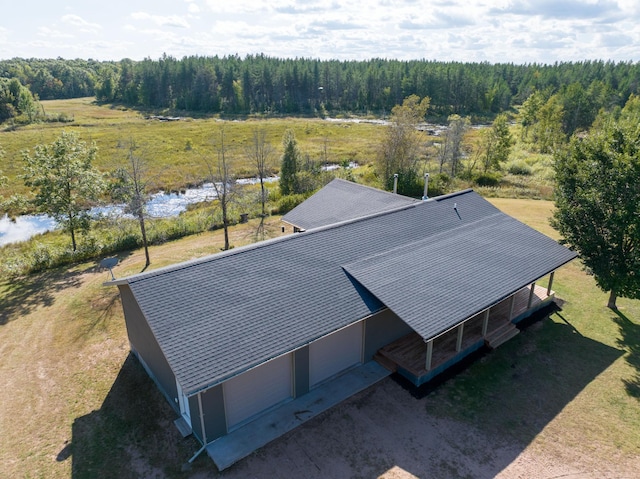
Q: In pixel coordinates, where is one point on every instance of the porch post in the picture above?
(533, 288)
(427, 364)
(550, 283)
(511, 306)
(460, 333)
(485, 322)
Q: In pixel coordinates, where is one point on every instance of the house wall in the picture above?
(196, 423)
(213, 418)
(146, 348)
(301, 371)
(381, 329)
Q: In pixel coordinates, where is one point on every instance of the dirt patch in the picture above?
(385, 432)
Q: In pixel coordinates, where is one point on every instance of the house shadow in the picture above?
(131, 435)
(507, 397)
(474, 424)
(630, 341)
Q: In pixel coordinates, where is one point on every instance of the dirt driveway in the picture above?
(385, 432)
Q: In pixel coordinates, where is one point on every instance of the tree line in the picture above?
(258, 84)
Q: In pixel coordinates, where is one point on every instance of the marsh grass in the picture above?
(176, 150)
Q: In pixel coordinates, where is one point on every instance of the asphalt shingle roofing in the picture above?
(434, 267)
(342, 200)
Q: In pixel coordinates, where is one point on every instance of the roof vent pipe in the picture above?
(425, 196)
(395, 183)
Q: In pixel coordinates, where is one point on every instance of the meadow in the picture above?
(177, 150)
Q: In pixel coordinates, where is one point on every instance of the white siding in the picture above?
(334, 353)
(258, 389)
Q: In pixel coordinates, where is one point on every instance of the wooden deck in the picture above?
(409, 352)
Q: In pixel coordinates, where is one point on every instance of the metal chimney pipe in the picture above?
(425, 196)
(395, 183)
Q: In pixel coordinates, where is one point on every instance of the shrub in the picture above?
(487, 179)
(519, 168)
(439, 184)
(289, 202)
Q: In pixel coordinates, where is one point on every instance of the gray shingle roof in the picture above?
(220, 315)
(342, 200)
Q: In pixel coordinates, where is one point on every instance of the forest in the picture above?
(262, 85)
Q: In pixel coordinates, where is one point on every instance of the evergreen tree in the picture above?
(289, 164)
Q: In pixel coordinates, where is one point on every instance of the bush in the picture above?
(519, 168)
(289, 202)
(487, 179)
(439, 184)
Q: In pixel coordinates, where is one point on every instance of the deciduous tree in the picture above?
(496, 143)
(130, 187)
(598, 202)
(65, 182)
(400, 145)
(261, 153)
(220, 174)
(450, 150)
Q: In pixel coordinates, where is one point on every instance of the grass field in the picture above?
(176, 150)
(74, 404)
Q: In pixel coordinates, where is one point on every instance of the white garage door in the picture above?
(258, 389)
(334, 353)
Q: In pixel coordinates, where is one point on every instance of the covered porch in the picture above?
(420, 360)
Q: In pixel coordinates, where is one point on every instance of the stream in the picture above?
(161, 205)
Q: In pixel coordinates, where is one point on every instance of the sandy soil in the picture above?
(384, 432)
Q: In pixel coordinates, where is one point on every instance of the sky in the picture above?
(494, 31)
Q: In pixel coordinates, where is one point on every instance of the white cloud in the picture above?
(51, 33)
(162, 21)
(466, 30)
(82, 24)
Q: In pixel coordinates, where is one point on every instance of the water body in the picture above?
(161, 205)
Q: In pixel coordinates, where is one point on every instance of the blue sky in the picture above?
(518, 31)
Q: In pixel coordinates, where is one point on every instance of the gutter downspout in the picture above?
(204, 432)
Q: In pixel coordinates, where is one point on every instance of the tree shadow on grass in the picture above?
(22, 296)
(132, 434)
(630, 342)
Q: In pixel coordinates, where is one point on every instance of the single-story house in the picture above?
(342, 200)
(249, 341)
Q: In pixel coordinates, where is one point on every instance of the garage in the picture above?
(334, 353)
(258, 389)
